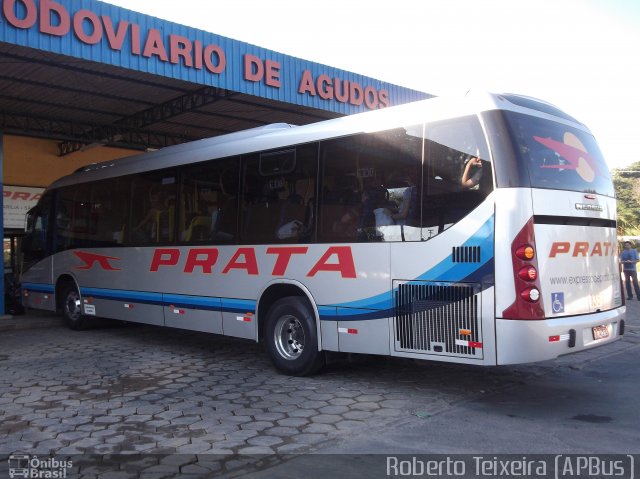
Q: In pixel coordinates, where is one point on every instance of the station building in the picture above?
(83, 81)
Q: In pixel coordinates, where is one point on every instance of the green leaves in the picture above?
(627, 186)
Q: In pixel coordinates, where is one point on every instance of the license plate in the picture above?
(600, 332)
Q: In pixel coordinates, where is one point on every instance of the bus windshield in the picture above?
(557, 156)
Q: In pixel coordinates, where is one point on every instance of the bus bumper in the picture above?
(525, 341)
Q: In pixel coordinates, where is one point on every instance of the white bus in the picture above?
(476, 230)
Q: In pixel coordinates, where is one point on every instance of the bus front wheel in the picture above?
(72, 307)
(291, 337)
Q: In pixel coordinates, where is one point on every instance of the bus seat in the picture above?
(260, 222)
(291, 213)
(118, 236)
(305, 189)
(199, 229)
(339, 221)
(227, 221)
(164, 223)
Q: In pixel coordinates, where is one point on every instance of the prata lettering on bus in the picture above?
(336, 259)
(581, 248)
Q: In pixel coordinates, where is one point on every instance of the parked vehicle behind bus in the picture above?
(476, 230)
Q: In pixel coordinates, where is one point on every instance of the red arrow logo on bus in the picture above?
(575, 153)
(90, 259)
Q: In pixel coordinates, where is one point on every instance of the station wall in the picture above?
(35, 162)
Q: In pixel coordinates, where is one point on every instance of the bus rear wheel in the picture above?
(291, 337)
(72, 307)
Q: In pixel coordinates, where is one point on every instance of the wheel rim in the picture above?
(72, 306)
(289, 337)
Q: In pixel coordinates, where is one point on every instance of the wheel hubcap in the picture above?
(289, 337)
(72, 306)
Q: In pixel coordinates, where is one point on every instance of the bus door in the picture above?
(36, 249)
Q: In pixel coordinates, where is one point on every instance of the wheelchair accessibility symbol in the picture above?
(557, 302)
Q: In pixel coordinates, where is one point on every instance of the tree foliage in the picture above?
(627, 185)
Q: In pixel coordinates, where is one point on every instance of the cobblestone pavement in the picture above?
(184, 400)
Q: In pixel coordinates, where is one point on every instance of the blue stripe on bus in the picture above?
(446, 270)
(143, 297)
(193, 302)
(484, 275)
(38, 287)
(327, 312)
(180, 300)
(347, 314)
(238, 305)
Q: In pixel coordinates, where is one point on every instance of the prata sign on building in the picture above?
(104, 33)
(17, 201)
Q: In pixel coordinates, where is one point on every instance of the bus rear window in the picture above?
(557, 156)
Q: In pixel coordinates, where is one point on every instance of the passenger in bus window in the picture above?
(346, 225)
(472, 172)
(357, 217)
(145, 229)
(375, 213)
(477, 175)
(407, 211)
(207, 202)
(376, 207)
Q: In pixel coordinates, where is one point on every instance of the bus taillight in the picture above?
(528, 302)
(530, 294)
(528, 273)
(526, 252)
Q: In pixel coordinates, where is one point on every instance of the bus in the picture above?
(478, 230)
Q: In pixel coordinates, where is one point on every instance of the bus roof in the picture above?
(279, 135)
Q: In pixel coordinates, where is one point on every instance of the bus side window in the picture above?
(109, 205)
(340, 207)
(277, 201)
(208, 209)
(151, 194)
(74, 220)
(371, 187)
(454, 181)
(36, 244)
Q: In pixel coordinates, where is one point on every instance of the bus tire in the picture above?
(72, 308)
(291, 338)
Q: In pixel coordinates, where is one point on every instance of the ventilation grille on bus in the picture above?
(438, 318)
(465, 254)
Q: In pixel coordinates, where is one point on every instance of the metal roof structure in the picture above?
(81, 103)
(88, 73)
